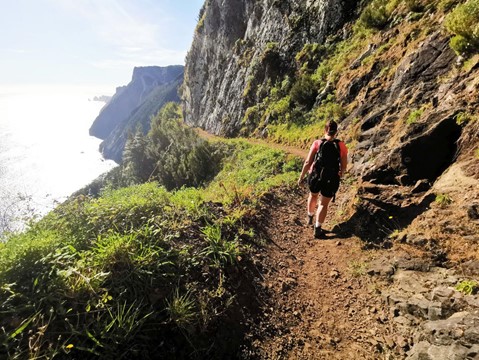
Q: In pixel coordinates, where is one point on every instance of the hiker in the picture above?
(325, 164)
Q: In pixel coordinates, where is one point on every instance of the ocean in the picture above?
(46, 153)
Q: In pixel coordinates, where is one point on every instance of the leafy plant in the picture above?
(376, 14)
(414, 116)
(446, 5)
(414, 5)
(443, 200)
(463, 22)
(468, 287)
(222, 251)
(304, 92)
(357, 268)
(464, 117)
(181, 309)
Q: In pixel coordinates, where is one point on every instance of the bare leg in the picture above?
(322, 209)
(312, 202)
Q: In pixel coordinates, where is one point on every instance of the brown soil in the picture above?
(319, 303)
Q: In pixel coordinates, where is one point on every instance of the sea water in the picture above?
(46, 152)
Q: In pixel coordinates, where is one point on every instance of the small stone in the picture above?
(473, 212)
(390, 342)
(401, 341)
(339, 243)
(334, 274)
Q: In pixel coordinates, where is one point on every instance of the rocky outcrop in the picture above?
(434, 319)
(130, 97)
(114, 144)
(239, 45)
(133, 105)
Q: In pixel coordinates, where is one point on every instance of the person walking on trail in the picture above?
(325, 165)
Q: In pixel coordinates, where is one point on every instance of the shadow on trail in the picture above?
(375, 220)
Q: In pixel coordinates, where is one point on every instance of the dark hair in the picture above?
(331, 127)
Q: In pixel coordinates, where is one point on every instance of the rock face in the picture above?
(435, 320)
(150, 88)
(239, 45)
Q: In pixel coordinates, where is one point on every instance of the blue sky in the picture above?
(86, 42)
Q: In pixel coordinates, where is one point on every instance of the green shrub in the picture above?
(280, 111)
(468, 287)
(304, 92)
(251, 119)
(463, 22)
(446, 5)
(414, 5)
(461, 45)
(308, 58)
(414, 116)
(328, 110)
(464, 117)
(375, 15)
(443, 200)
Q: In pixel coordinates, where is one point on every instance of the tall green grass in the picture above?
(136, 267)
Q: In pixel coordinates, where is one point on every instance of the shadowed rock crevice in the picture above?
(427, 156)
(377, 217)
(423, 157)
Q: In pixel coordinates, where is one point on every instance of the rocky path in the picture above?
(331, 299)
(320, 302)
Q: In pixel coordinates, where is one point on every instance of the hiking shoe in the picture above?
(318, 232)
(309, 220)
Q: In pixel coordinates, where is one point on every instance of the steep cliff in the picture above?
(407, 104)
(239, 45)
(133, 105)
(114, 144)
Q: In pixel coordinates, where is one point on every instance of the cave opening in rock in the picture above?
(427, 156)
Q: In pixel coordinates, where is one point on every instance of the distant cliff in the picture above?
(132, 105)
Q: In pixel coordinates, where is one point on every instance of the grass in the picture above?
(181, 310)
(114, 274)
(358, 268)
(443, 200)
(464, 118)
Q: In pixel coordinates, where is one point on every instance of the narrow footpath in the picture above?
(320, 303)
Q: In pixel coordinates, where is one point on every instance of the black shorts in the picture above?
(326, 183)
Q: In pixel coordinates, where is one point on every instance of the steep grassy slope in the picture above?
(141, 271)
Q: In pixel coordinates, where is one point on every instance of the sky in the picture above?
(89, 42)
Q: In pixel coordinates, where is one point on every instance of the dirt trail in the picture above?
(288, 149)
(320, 302)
